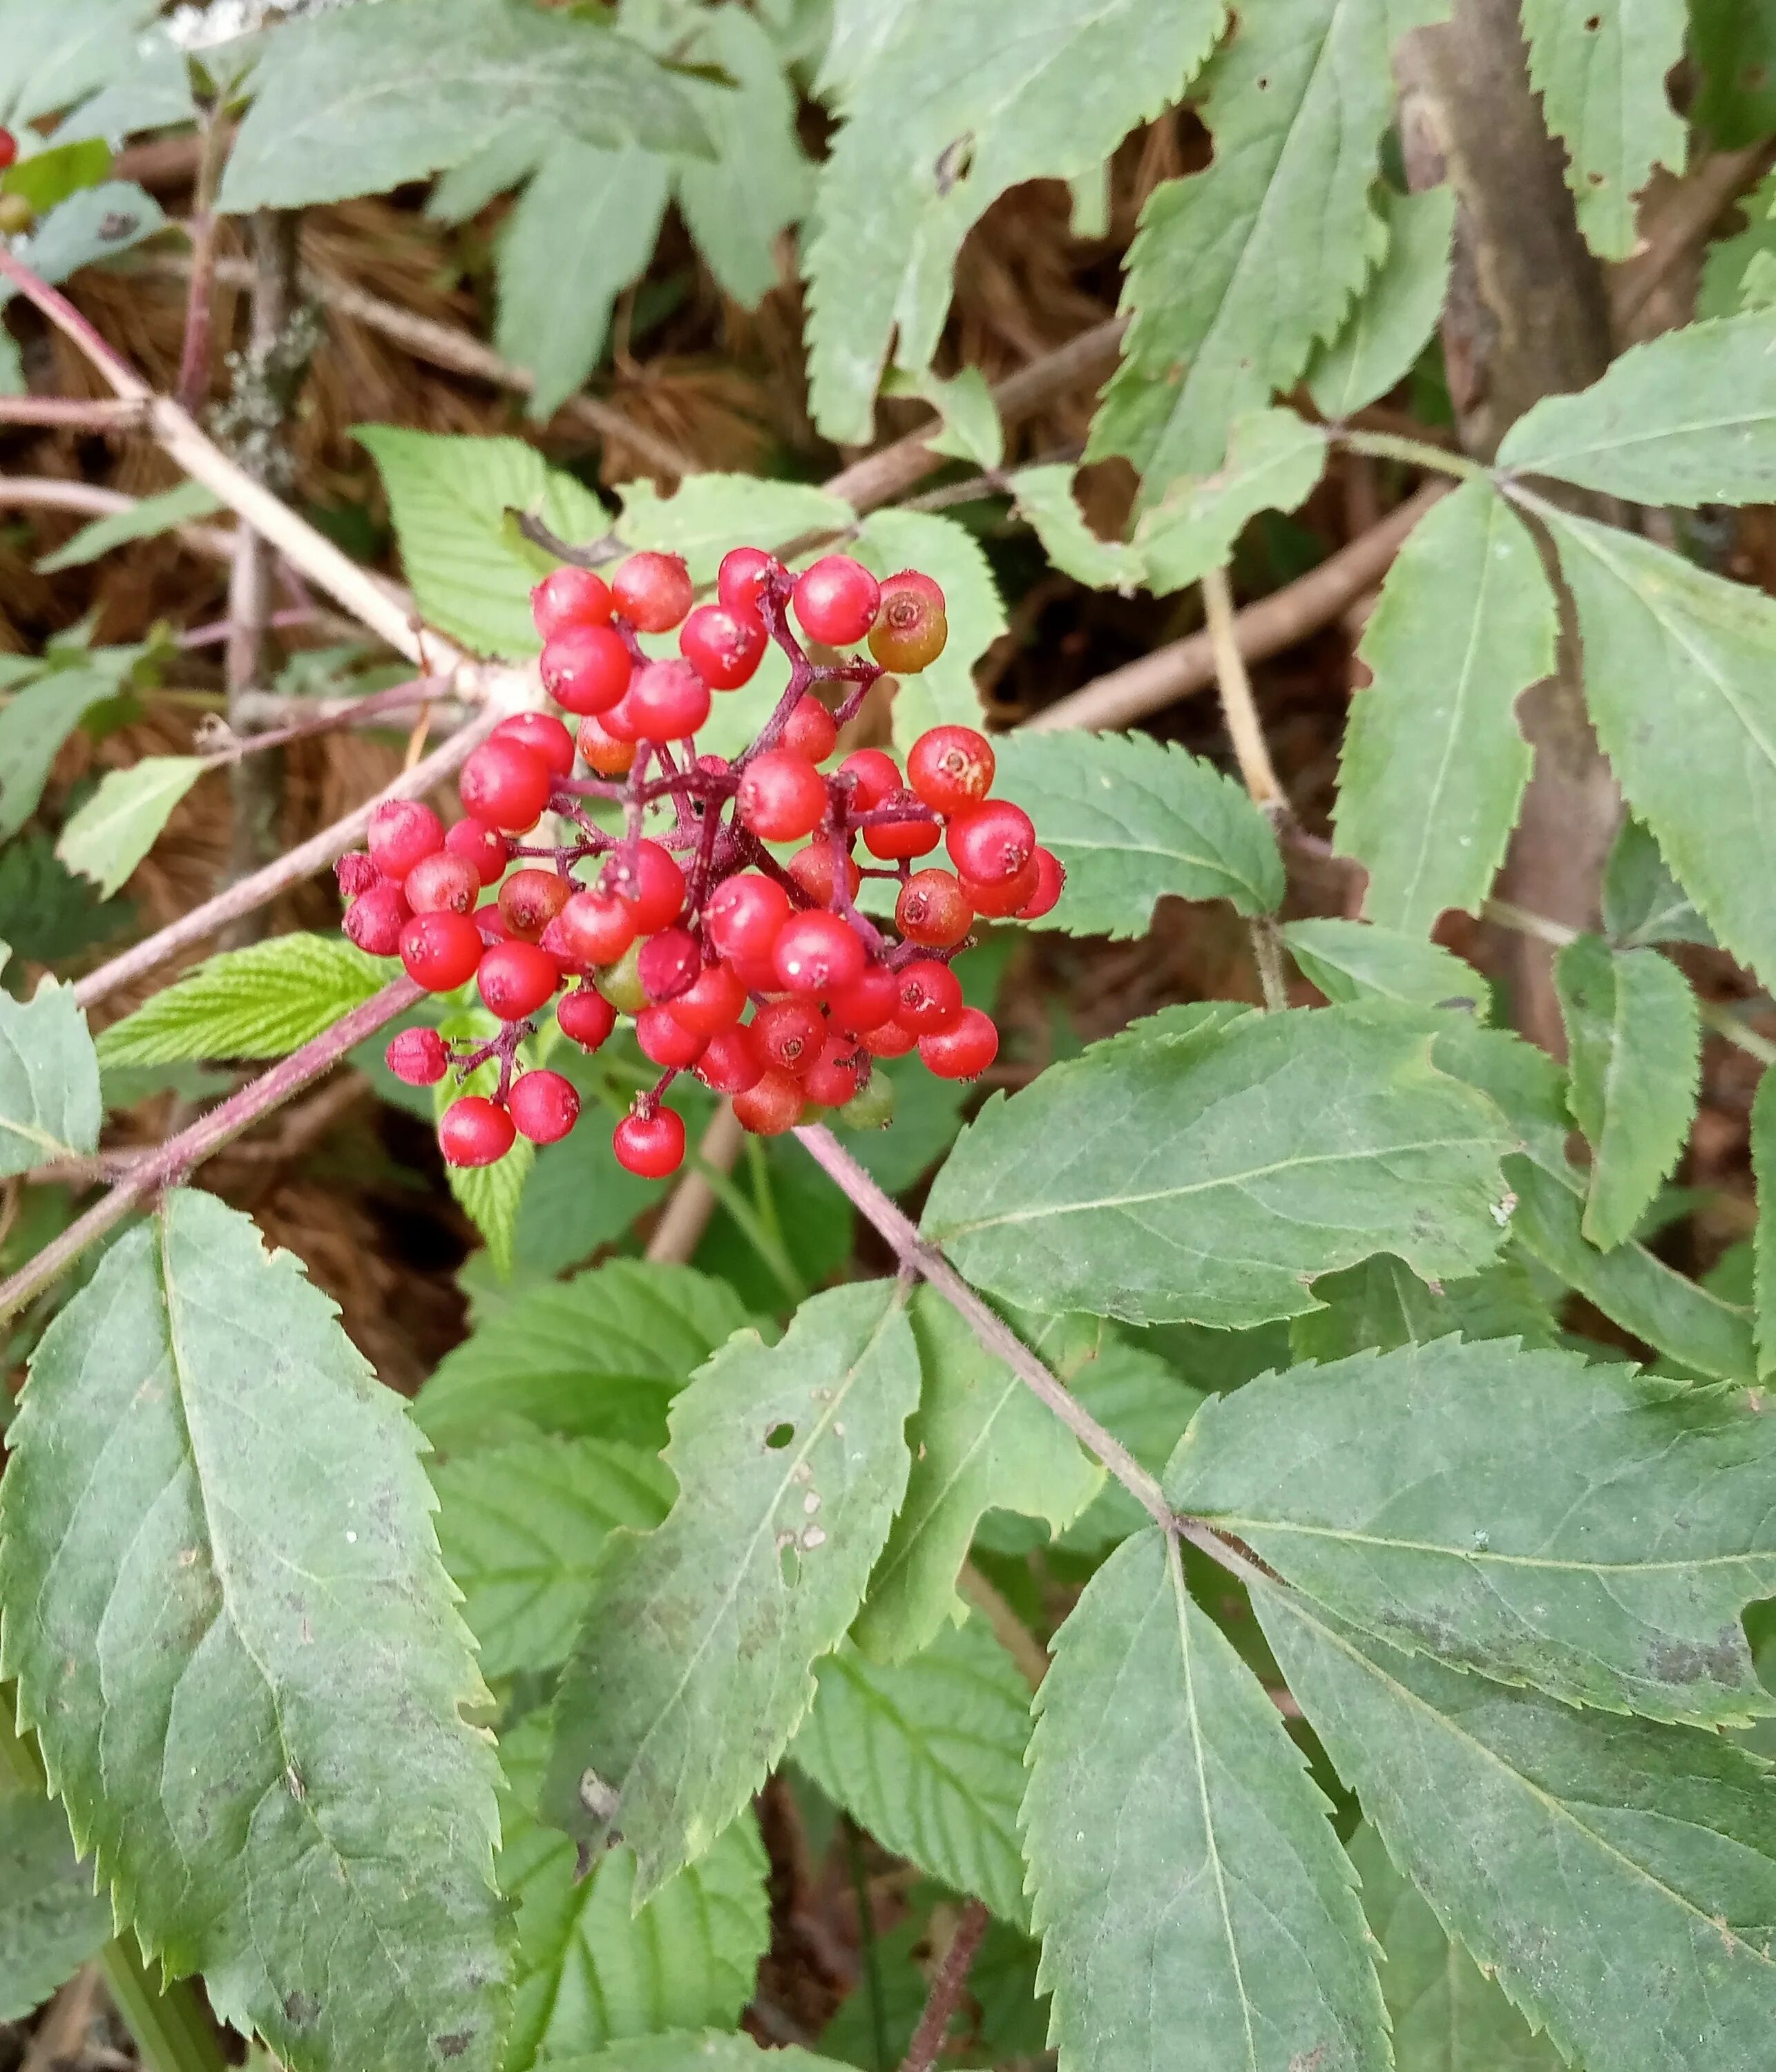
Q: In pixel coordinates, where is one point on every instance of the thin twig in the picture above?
(1238, 707)
(1689, 210)
(1267, 953)
(74, 414)
(948, 1987)
(193, 385)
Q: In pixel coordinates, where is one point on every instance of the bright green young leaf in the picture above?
(488, 1195)
(1396, 314)
(1238, 271)
(261, 1001)
(1045, 500)
(122, 820)
(1642, 903)
(1634, 1039)
(929, 1757)
(1433, 765)
(34, 723)
(945, 693)
(1355, 960)
(50, 175)
(1600, 70)
(949, 112)
(50, 1920)
(355, 99)
(520, 1528)
(145, 520)
(1274, 458)
(695, 1665)
(1689, 417)
(97, 224)
(1133, 819)
(981, 1442)
(1211, 1177)
(49, 1080)
(707, 514)
(590, 1968)
(50, 56)
(1592, 1530)
(212, 1523)
(1617, 1875)
(1763, 1167)
(1195, 1908)
(470, 571)
(599, 1356)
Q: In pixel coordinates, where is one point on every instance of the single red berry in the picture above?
(666, 702)
(441, 883)
(757, 975)
(992, 841)
(515, 979)
(950, 767)
(964, 1050)
(910, 629)
(374, 919)
(914, 831)
(544, 735)
(441, 951)
(653, 591)
(669, 963)
(619, 722)
(810, 730)
(1011, 895)
(417, 1057)
(813, 869)
(817, 952)
(744, 915)
(483, 849)
(544, 1106)
(596, 926)
(505, 784)
(835, 601)
(356, 873)
(9, 148)
(889, 1041)
(788, 1034)
(655, 892)
(868, 1002)
(932, 911)
(491, 922)
(746, 574)
(586, 1017)
(475, 1131)
(586, 668)
(531, 899)
(1051, 883)
(569, 596)
(667, 1042)
(724, 643)
(874, 775)
(731, 1062)
(773, 1103)
(930, 995)
(833, 1077)
(714, 1000)
(650, 1145)
(782, 796)
(401, 832)
(603, 751)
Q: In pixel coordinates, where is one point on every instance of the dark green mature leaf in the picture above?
(1433, 764)
(212, 1523)
(1734, 44)
(1238, 271)
(1618, 1877)
(47, 914)
(599, 1356)
(1352, 961)
(948, 113)
(1688, 418)
(50, 1920)
(1195, 1908)
(929, 1757)
(520, 1528)
(1642, 903)
(261, 1001)
(711, 2051)
(1383, 1304)
(1592, 1530)
(49, 1081)
(1212, 1176)
(591, 1968)
(1133, 820)
(980, 1441)
(695, 1665)
(1396, 313)
(1763, 1167)
(356, 100)
(1634, 1037)
(122, 820)
(34, 723)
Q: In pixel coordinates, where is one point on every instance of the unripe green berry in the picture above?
(872, 1106)
(621, 983)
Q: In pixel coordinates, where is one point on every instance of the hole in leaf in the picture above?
(778, 1437)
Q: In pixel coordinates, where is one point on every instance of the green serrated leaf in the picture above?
(50, 1920)
(1642, 903)
(1211, 1177)
(520, 1528)
(47, 914)
(34, 723)
(944, 694)
(261, 1001)
(122, 820)
(213, 1520)
(948, 114)
(96, 224)
(1736, 271)
(1688, 418)
(1591, 1530)
(1045, 500)
(1132, 820)
(1433, 764)
(929, 1757)
(971, 429)
(1633, 1038)
(1396, 315)
(49, 176)
(591, 1968)
(1355, 960)
(708, 514)
(980, 1441)
(146, 518)
(599, 1356)
(1383, 1304)
(49, 1081)
(1195, 1908)
(695, 1664)
(1189, 524)
(1616, 1876)
(1763, 1167)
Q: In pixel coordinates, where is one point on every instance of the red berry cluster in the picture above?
(689, 931)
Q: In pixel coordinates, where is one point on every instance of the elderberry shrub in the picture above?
(760, 977)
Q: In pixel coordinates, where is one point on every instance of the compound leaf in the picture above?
(1195, 1908)
(1395, 316)
(695, 1664)
(213, 1521)
(262, 1001)
(49, 1105)
(121, 821)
